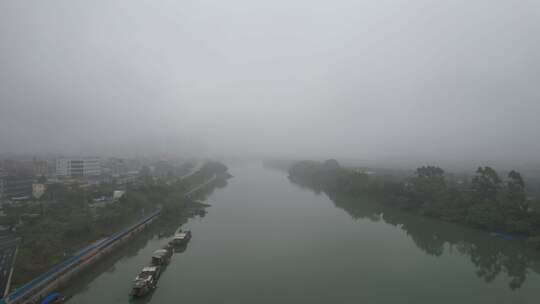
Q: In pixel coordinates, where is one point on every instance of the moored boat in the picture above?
(162, 257)
(181, 238)
(145, 281)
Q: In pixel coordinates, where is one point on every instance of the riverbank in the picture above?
(487, 202)
(70, 225)
(61, 274)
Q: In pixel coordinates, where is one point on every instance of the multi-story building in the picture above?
(116, 166)
(18, 186)
(78, 167)
(15, 179)
(40, 168)
(11, 167)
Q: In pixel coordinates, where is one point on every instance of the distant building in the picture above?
(38, 189)
(118, 166)
(15, 179)
(128, 178)
(78, 167)
(40, 168)
(16, 186)
(11, 167)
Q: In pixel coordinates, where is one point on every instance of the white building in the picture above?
(117, 194)
(78, 167)
(38, 190)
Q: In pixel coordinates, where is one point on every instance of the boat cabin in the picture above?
(182, 238)
(161, 257)
(145, 281)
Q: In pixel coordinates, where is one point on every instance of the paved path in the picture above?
(200, 186)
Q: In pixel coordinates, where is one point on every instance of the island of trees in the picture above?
(487, 201)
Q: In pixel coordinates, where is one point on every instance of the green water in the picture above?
(266, 240)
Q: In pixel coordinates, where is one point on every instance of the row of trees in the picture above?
(487, 202)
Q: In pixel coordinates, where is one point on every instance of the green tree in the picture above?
(514, 204)
(486, 184)
(485, 215)
(428, 187)
(430, 172)
(516, 191)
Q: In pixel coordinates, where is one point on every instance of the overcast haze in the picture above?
(452, 80)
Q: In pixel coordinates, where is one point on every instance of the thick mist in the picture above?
(382, 80)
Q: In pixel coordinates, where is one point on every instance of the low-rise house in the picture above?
(38, 189)
(117, 194)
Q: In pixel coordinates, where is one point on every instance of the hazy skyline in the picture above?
(412, 80)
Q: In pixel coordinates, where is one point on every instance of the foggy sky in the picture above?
(427, 80)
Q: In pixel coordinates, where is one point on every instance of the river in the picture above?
(267, 240)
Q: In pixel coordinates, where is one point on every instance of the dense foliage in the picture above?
(486, 202)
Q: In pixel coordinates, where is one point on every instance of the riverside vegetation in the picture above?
(487, 202)
(418, 203)
(68, 223)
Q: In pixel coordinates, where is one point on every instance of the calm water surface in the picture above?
(266, 240)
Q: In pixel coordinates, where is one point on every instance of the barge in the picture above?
(146, 281)
(181, 238)
(162, 257)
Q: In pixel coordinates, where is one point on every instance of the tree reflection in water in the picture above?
(490, 255)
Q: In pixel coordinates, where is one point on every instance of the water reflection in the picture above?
(180, 248)
(491, 256)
